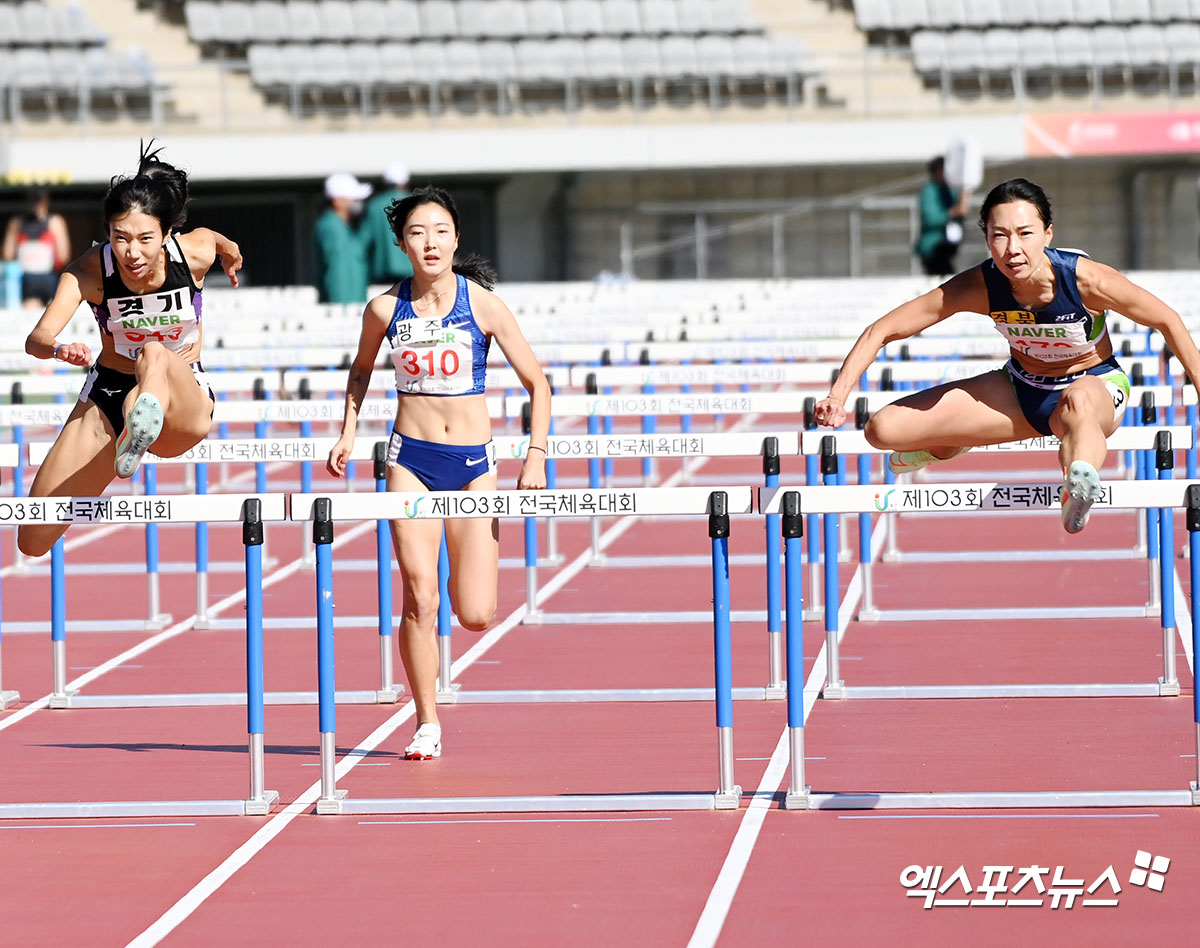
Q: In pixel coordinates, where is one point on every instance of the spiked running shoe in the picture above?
(1081, 489)
(905, 462)
(426, 743)
(143, 425)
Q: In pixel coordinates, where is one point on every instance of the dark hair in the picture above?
(936, 165)
(473, 266)
(1015, 189)
(158, 189)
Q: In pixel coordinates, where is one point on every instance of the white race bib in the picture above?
(166, 317)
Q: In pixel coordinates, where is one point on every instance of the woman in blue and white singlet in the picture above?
(439, 324)
(1061, 377)
(146, 389)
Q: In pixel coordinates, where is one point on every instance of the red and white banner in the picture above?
(1115, 133)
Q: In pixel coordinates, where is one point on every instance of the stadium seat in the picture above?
(1001, 50)
(203, 23)
(699, 16)
(365, 64)
(753, 56)
(1166, 11)
(10, 26)
(715, 55)
(659, 17)
(641, 57)
(602, 59)
(36, 23)
(981, 13)
(33, 70)
(439, 19)
(498, 59)
(336, 19)
(1147, 47)
(304, 22)
(929, 51)
(964, 52)
(622, 17)
(66, 66)
(544, 18)
(502, 19)
(679, 60)
(583, 17)
(1074, 45)
(460, 63)
(1093, 11)
(267, 70)
(397, 63)
(1131, 11)
(1038, 52)
(331, 67)
(269, 22)
(947, 13)
(1025, 12)
(401, 20)
(1183, 43)
(871, 15)
(909, 14)
(73, 25)
(370, 20)
(1109, 47)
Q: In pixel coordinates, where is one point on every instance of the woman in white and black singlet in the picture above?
(1061, 378)
(439, 324)
(147, 389)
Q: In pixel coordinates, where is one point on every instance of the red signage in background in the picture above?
(1116, 133)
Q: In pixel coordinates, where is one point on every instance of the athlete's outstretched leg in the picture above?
(1083, 419)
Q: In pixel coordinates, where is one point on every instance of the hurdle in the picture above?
(718, 505)
(252, 512)
(10, 455)
(971, 497)
(832, 499)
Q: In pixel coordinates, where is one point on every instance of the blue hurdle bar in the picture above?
(389, 692)
(728, 794)
(775, 686)
(830, 473)
(1164, 461)
(260, 800)
(1193, 527)
(322, 534)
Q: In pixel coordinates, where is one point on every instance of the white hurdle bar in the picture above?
(789, 502)
(717, 504)
(252, 512)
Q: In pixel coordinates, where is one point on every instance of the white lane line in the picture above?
(192, 900)
(720, 898)
(536, 819)
(999, 816)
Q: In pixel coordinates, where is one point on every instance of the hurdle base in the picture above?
(557, 560)
(1065, 690)
(202, 624)
(448, 695)
(1168, 689)
(1153, 612)
(389, 695)
(775, 692)
(1067, 799)
(8, 699)
(572, 803)
(533, 617)
(63, 700)
(834, 690)
(868, 615)
(812, 614)
(1195, 792)
(121, 809)
(332, 806)
(158, 623)
(207, 699)
(262, 807)
(598, 559)
(727, 799)
(798, 800)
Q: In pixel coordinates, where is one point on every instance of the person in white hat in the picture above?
(341, 260)
(386, 261)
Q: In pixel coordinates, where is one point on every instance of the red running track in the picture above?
(757, 875)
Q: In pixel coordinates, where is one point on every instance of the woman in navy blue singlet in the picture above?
(1061, 378)
(146, 389)
(439, 324)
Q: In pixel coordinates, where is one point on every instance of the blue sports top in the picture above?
(446, 356)
(170, 314)
(1061, 331)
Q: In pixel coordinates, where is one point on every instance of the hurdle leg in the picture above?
(728, 795)
(834, 686)
(331, 798)
(389, 692)
(260, 800)
(1164, 462)
(447, 691)
(533, 615)
(793, 531)
(156, 619)
(7, 698)
(60, 697)
(775, 687)
(813, 477)
(202, 618)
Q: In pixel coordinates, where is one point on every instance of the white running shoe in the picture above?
(1081, 489)
(143, 425)
(905, 462)
(426, 743)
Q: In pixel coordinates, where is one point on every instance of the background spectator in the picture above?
(386, 261)
(941, 221)
(38, 241)
(340, 255)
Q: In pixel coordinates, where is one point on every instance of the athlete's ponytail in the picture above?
(158, 189)
(477, 269)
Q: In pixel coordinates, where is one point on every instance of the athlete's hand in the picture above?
(830, 412)
(339, 456)
(73, 353)
(533, 471)
(231, 262)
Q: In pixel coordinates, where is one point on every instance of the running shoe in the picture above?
(905, 462)
(1081, 489)
(143, 425)
(426, 743)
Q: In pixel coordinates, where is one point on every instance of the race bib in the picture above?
(430, 360)
(166, 317)
(36, 256)
(1046, 342)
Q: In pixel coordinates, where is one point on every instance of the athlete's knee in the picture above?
(476, 617)
(1079, 401)
(881, 430)
(421, 603)
(33, 542)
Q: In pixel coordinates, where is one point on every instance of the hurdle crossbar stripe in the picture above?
(1125, 438)
(10, 455)
(983, 495)
(600, 502)
(1000, 800)
(248, 450)
(667, 445)
(158, 508)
